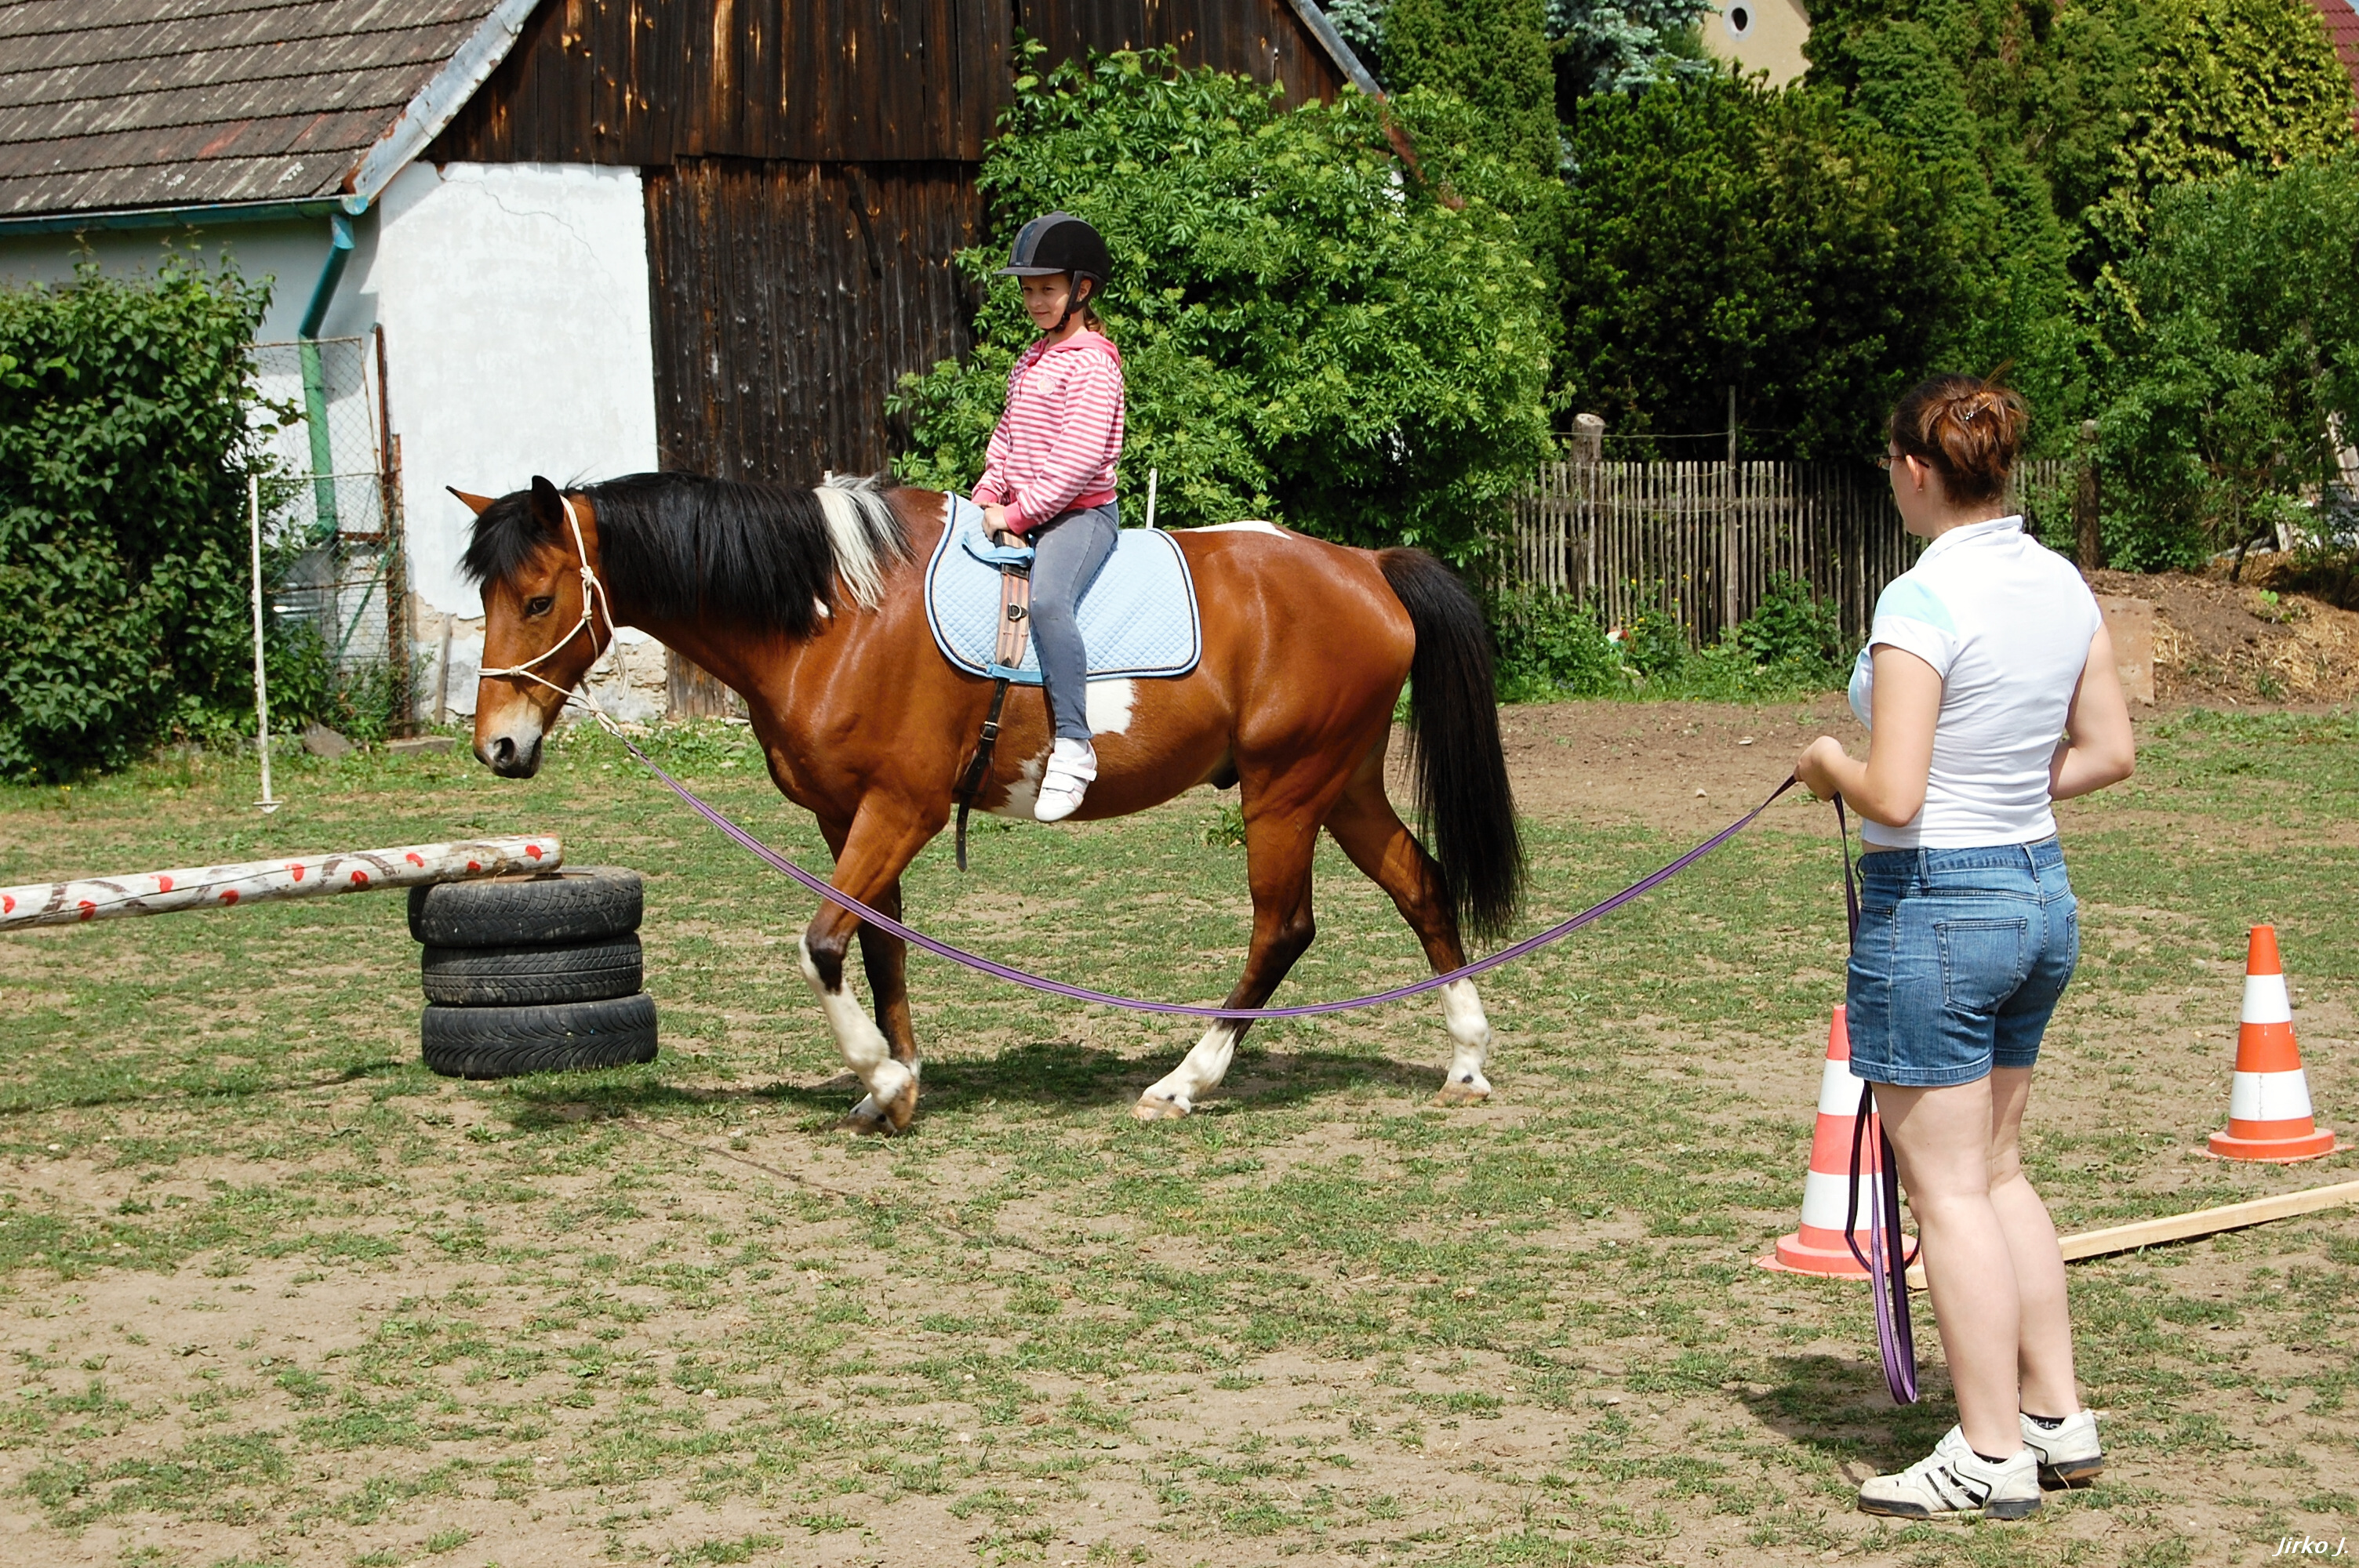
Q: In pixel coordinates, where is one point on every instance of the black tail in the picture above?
(1463, 804)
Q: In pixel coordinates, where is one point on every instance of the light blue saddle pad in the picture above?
(1138, 619)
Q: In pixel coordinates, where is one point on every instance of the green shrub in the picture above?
(124, 448)
(1552, 645)
(1791, 628)
(1310, 333)
(1549, 645)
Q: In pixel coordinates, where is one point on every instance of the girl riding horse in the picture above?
(1049, 474)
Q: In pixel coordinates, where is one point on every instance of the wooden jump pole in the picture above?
(263, 882)
(2187, 1227)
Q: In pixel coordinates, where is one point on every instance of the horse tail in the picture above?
(1464, 807)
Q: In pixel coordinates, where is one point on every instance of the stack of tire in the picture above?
(534, 974)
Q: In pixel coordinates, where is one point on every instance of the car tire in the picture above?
(538, 909)
(509, 1042)
(533, 976)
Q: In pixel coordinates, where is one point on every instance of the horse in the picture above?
(807, 602)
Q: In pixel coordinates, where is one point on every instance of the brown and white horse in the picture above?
(807, 602)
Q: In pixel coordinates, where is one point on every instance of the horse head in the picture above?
(545, 617)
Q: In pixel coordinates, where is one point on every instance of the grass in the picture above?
(271, 1291)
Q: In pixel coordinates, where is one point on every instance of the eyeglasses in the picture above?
(1886, 460)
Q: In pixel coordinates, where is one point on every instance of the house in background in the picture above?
(2342, 19)
(579, 238)
(1760, 35)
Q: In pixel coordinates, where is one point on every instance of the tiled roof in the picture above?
(2342, 27)
(113, 103)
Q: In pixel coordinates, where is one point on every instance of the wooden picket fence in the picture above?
(1704, 542)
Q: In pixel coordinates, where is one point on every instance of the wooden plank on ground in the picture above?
(2187, 1227)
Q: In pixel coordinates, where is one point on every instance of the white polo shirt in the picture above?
(2006, 624)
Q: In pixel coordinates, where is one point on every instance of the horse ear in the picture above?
(548, 506)
(478, 504)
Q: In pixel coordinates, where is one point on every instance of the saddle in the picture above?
(1139, 619)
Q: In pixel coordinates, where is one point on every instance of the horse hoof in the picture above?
(1456, 1093)
(870, 1116)
(1150, 1108)
(901, 1107)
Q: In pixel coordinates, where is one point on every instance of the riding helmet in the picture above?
(1055, 243)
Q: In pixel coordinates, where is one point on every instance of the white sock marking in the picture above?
(1463, 1011)
(863, 1045)
(1200, 1071)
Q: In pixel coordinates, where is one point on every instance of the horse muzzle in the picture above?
(511, 755)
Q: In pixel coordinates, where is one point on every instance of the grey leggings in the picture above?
(1068, 550)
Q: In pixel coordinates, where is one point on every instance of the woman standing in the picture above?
(1049, 474)
(1989, 690)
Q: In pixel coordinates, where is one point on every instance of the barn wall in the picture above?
(790, 297)
(643, 82)
(1262, 38)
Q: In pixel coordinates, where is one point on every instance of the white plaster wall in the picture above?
(513, 299)
(1772, 39)
(289, 254)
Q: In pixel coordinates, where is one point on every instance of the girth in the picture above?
(1014, 635)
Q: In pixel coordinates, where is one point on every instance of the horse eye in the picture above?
(540, 604)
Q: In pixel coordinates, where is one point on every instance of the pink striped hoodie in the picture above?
(1054, 449)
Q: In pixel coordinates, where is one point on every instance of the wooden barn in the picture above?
(575, 237)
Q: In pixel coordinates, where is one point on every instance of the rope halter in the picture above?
(594, 601)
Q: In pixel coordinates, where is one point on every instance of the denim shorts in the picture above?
(1961, 958)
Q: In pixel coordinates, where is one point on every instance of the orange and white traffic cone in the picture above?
(2269, 1105)
(1819, 1246)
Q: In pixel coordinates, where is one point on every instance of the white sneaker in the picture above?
(1954, 1480)
(1072, 765)
(2067, 1454)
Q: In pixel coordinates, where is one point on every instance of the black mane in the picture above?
(685, 546)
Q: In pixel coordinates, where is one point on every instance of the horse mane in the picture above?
(693, 547)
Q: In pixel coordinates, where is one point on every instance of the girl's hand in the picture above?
(994, 520)
(1816, 767)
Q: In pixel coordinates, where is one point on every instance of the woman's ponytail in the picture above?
(1969, 430)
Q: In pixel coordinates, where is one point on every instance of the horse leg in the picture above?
(1278, 846)
(1372, 833)
(868, 863)
(884, 957)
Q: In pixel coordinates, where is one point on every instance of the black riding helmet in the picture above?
(1058, 242)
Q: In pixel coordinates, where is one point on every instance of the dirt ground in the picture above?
(1449, 1438)
(2239, 643)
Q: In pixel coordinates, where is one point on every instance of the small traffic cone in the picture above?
(1819, 1246)
(2269, 1105)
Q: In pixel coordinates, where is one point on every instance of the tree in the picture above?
(1491, 54)
(1995, 246)
(2241, 358)
(1310, 333)
(1606, 47)
(1727, 234)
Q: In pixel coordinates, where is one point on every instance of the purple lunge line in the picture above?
(976, 961)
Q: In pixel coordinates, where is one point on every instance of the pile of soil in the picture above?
(2241, 642)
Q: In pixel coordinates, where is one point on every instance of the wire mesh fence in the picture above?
(332, 523)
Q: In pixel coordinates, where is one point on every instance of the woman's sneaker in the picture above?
(1072, 765)
(2068, 1452)
(1954, 1480)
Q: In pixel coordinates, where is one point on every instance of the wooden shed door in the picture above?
(788, 299)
